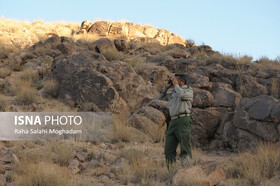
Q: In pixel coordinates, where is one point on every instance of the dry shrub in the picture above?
(50, 87)
(41, 174)
(124, 133)
(25, 93)
(52, 105)
(4, 72)
(30, 75)
(255, 167)
(141, 170)
(112, 54)
(121, 132)
(3, 103)
(63, 152)
(268, 63)
(245, 59)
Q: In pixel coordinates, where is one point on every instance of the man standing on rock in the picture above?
(179, 128)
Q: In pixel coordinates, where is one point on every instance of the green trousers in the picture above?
(178, 132)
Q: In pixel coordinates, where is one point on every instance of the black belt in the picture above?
(179, 116)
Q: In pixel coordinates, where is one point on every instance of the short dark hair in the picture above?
(182, 77)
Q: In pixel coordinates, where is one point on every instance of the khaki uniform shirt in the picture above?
(179, 100)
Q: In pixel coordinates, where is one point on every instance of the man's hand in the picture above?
(174, 81)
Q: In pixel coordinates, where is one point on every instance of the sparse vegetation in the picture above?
(50, 87)
(142, 170)
(3, 103)
(30, 75)
(121, 132)
(112, 54)
(254, 168)
(4, 72)
(42, 174)
(63, 153)
(25, 93)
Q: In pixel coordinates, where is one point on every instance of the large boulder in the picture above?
(202, 98)
(237, 139)
(199, 81)
(208, 173)
(254, 115)
(121, 45)
(204, 125)
(80, 84)
(254, 120)
(102, 45)
(100, 27)
(86, 25)
(150, 121)
(224, 96)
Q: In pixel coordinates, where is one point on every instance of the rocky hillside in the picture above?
(235, 100)
(120, 67)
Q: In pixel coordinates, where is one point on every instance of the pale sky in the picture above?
(235, 27)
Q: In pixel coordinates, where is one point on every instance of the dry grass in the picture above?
(112, 54)
(41, 174)
(255, 167)
(268, 63)
(141, 170)
(3, 103)
(5, 72)
(124, 133)
(121, 132)
(52, 105)
(63, 152)
(50, 87)
(30, 75)
(25, 93)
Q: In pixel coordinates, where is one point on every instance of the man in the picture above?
(179, 104)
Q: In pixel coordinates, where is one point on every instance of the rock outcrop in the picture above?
(254, 120)
(229, 106)
(130, 31)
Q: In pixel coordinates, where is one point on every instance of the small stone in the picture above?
(74, 166)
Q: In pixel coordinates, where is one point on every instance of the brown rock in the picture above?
(224, 95)
(65, 47)
(79, 81)
(160, 75)
(118, 29)
(209, 173)
(253, 115)
(2, 168)
(121, 45)
(74, 166)
(100, 27)
(86, 25)
(237, 139)
(204, 125)
(202, 98)
(150, 32)
(199, 81)
(2, 180)
(102, 45)
(174, 38)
